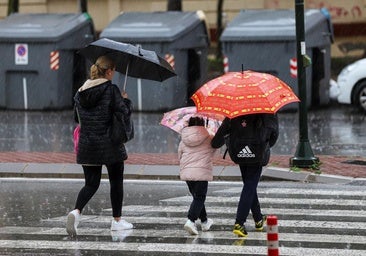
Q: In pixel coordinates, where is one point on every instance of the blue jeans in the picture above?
(249, 198)
(198, 190)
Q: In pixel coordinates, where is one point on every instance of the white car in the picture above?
(351, 85)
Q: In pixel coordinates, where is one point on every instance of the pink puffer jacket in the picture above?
(195, 154)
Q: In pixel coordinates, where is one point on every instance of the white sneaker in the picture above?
(190, 227)
(120, 225)
(205, 226)
(72, 222)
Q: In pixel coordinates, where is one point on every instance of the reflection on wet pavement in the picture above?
(337, 130)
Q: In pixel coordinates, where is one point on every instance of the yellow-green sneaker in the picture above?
(260, 224)
(240, 230)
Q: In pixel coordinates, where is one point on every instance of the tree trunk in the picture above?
(220, 3)
(13, 6)
(174, 5)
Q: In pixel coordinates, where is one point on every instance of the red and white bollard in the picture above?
(272, 236)
(226, 64)
(293, 67)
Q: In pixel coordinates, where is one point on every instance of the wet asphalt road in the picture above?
(317, 219)
(334, 130)
(28, 201)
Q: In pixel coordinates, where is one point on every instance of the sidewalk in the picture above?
(333, 169)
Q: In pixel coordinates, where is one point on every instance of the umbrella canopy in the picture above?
(130, 60)
(178, 118)
(242, 93)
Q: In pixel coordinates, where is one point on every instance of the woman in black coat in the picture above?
(95, 103)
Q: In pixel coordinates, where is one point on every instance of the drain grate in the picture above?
(357, 162)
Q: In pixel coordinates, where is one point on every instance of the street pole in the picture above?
(13, 6)
(304, 157)
(83, 5)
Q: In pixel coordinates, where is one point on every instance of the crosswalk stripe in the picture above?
(290, 202)
(285, 225)
(169, 248)
(297, 191)
(325, 238)
(144, 209)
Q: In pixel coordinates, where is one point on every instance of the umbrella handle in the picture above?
(124, 85)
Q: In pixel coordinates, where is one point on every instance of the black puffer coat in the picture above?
(93, 101)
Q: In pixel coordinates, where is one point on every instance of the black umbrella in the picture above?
(130, 60)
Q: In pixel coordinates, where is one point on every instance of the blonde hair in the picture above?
(100, 67)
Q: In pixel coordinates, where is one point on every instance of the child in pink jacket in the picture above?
(195, 154)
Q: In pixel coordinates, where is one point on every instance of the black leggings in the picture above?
(93, 175)
(198, 190)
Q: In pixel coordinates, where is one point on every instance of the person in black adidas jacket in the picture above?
(94, 108)
(250, 173)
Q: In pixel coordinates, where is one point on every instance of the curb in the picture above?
(168, 172)
(305, 177)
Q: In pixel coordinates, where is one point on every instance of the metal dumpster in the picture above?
(265, 41)
(181, 37)
(39, 67)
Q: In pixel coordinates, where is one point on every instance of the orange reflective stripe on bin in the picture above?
(54, 60)
(170, 59)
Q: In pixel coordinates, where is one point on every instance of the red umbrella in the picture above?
(242, 93)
